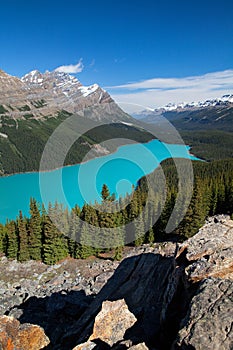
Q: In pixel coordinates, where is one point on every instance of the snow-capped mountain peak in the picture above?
(201, 104)
(53, 79)
(58, 80)
(39, 95)
(34, 77)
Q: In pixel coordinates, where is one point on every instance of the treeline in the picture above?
(56, 234)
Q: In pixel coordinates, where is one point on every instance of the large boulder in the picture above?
(14, 335)
(112, 322)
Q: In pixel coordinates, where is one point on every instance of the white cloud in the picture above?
(71, 68)
(160, 91)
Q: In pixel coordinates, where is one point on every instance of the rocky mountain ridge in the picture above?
(38, 95)
(208, 117)
(159, 297)
(224, 101)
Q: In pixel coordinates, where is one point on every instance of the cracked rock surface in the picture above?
(208, 323)
(210, 251)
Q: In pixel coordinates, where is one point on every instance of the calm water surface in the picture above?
(81, 183)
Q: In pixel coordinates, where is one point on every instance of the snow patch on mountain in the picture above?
(87, 90)
(125, 123)
(5, 136)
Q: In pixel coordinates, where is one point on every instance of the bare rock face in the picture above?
(89, 345)
(13, 335)
(209, 252)
(208, 323)
(112, 322)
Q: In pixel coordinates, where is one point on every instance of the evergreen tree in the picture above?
(74, 234)
(118, 253)
(105, 194)
(86, 248)
(12, 240)
(139, 231)
(197, 211)
(89, 239)
(24, 253)
(3, 239)
(35, 232)
(55, 245)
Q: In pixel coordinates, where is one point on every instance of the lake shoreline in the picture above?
(100, 156)
(119, 170)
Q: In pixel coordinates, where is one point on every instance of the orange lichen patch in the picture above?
(10, 345)
(32, 337)
(13, 335)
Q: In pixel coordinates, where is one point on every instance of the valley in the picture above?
(206, 126)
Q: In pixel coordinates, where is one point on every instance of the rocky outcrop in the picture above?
(208, 322)
(13, 335)
(176, 296)
(209, 253)
(141, 346)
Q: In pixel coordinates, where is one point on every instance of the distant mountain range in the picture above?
(224, 101)
(211, 114)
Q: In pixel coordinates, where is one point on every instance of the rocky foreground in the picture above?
(160, 297)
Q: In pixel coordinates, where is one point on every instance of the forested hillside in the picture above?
(22, 149)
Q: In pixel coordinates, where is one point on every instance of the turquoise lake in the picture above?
(83, 182)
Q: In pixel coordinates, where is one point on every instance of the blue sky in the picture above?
(115, 43)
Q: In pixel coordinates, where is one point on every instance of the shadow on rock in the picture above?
(148, 283)
(55, 313)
